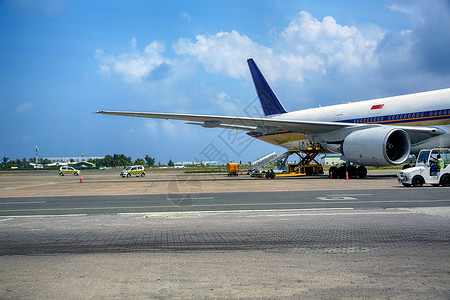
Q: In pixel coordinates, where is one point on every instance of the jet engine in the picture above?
(377, 146)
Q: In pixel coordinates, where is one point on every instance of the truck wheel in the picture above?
(418, 181)
(143, 174)
(128, 175)
(61, 174)
(445, 180)
(75, 174)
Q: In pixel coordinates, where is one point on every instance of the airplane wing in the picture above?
(416, 134)
(419, 133)
(242, 123)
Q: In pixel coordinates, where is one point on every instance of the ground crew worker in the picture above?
(440, 162)
(438, 165)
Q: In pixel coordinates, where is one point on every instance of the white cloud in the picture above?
(410, 9)
(24, 107)
(345, 48)
(186, 16)
(135, 66)
(224, 52)
(306, 46)
(228, 105)
(24, 137)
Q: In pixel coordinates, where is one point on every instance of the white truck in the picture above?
(432, 166)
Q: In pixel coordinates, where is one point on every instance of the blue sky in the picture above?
(62, 60)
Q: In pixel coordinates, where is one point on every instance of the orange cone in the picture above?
(331, 175)
(346, 174)
(81, 179)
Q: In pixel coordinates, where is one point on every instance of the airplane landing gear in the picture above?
(353, 172)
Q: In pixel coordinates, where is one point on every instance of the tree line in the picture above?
(6, 163)
(121, 160)
(118, 160)
(115, 160)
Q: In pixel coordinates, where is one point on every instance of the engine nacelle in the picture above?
(378, 146)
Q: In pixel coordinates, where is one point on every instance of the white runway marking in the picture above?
(23, 202)
(349, 195)
(191, 198)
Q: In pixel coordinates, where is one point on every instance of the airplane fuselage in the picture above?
(421, 109)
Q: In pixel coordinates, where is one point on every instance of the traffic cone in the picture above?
(346, 174)
(81, 179)
(331, 175)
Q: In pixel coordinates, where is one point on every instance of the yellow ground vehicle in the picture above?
(66, 170)
(302, 170)
(232, 169)
(133, 171)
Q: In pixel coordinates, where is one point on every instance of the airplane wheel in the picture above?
(362, 172)
(341, 172)
(418, 181)
(445, 180)
(352, 172)
(333, 172)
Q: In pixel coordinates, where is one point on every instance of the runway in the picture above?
(185, 202)
(162, 237)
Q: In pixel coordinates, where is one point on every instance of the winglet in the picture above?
(269, 101)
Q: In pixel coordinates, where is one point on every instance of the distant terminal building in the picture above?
(79, 162)
(69, 159)
(195, 163)
(331, 160)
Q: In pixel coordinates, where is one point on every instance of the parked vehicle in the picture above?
(133, 171)
(67, 170)
(432, 166)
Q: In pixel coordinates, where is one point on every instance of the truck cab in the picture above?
(432, 167)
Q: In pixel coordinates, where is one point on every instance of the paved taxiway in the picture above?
(176, 235)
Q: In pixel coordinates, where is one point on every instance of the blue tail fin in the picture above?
(269, 101)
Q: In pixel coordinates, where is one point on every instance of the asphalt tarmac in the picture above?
(176, 235)
(185, 202)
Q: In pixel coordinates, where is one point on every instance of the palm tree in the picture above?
(5, 160)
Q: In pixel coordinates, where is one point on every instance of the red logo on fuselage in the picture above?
(378, 106)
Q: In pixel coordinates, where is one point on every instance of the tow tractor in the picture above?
(432, 166)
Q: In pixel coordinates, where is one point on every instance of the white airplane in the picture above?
(378, 132)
